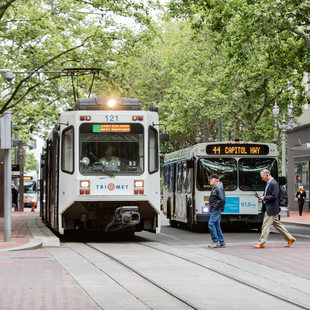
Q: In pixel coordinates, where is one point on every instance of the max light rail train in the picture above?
(100, 169)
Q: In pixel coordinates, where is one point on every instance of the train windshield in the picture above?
(108, 149)
(250, 168)
(225, 167)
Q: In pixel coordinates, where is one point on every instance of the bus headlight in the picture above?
(84, 183)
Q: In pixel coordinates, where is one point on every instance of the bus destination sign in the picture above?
(237, 149)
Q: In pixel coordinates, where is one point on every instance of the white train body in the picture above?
(100, 169)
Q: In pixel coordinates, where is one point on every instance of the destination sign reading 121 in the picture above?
(237, 149)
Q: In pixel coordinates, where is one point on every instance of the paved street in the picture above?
(171, 270)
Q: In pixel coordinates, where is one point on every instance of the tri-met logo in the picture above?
(112, 187)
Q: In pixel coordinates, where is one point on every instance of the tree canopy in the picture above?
(200, 61)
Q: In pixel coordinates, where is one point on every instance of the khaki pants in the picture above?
(273, 220)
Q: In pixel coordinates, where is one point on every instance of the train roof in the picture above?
(107, 103)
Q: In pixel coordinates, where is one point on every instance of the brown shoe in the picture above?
(258, 246)
(290, 242)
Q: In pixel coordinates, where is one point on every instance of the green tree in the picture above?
(267, 50)
(44, 47)
(31, 163)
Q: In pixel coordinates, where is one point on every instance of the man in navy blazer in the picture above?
(270, 200)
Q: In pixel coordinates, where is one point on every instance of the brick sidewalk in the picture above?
(295, 217)
(20, 233)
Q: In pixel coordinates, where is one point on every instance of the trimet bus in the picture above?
(186, 186)
(100, 168)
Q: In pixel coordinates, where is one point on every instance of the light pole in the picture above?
(284, 127)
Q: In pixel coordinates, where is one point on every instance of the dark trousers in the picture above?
(301, 206)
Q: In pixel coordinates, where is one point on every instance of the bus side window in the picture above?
(180, 178)
(171, 179)
(166, 176)
(185, 179)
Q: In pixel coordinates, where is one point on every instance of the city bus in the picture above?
(186, 187)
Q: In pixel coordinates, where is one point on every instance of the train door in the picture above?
(53, 151)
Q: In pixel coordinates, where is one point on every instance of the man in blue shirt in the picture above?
(270, 200)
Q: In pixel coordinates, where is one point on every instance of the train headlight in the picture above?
(205, 209)
(112, 103)
(139, 183)
(84, 184)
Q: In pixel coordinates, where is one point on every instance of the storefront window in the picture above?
(302, 177)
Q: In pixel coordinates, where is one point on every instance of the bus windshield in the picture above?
(226, 168)
(249, 170)
(30, 187)
(111, 149)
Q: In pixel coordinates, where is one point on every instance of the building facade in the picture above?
(298, 160)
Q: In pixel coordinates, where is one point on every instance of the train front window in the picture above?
(226, 168)
(111, 149)
(249, 172)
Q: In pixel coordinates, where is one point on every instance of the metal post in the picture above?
(284, 150)
(220, 130)
(204, 129)
(7, 178)
(7, 196)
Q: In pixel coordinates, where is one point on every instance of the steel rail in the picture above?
(225, 274)
(187, 303)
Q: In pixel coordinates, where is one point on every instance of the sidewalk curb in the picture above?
(33, 243)
(301, 224)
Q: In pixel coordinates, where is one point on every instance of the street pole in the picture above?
(284, 127)
(284, 147)
(7, 176)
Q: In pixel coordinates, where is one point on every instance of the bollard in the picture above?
(33, 206)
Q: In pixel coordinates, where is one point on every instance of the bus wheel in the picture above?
(259, 227)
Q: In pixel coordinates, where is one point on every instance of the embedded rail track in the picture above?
(187, 303)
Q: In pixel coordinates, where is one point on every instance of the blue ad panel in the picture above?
(232, 205)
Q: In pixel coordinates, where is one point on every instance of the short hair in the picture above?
(265, 172)
(301, 187)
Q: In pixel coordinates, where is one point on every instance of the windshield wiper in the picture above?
(108, 172)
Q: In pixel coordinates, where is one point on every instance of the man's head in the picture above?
(265, 175)
(109, 151)
(214, 179)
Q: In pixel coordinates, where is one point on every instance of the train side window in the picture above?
(153, 150)
(67, 150)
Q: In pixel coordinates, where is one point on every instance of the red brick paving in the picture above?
(20, 233)
(294, 217)
(34, 280)
(294, 260)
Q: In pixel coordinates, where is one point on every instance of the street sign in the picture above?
(15, 173)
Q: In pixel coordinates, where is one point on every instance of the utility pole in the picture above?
(21, 161)
(6, 145)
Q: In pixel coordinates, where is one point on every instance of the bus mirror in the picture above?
(190, 163)
(165, 136)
